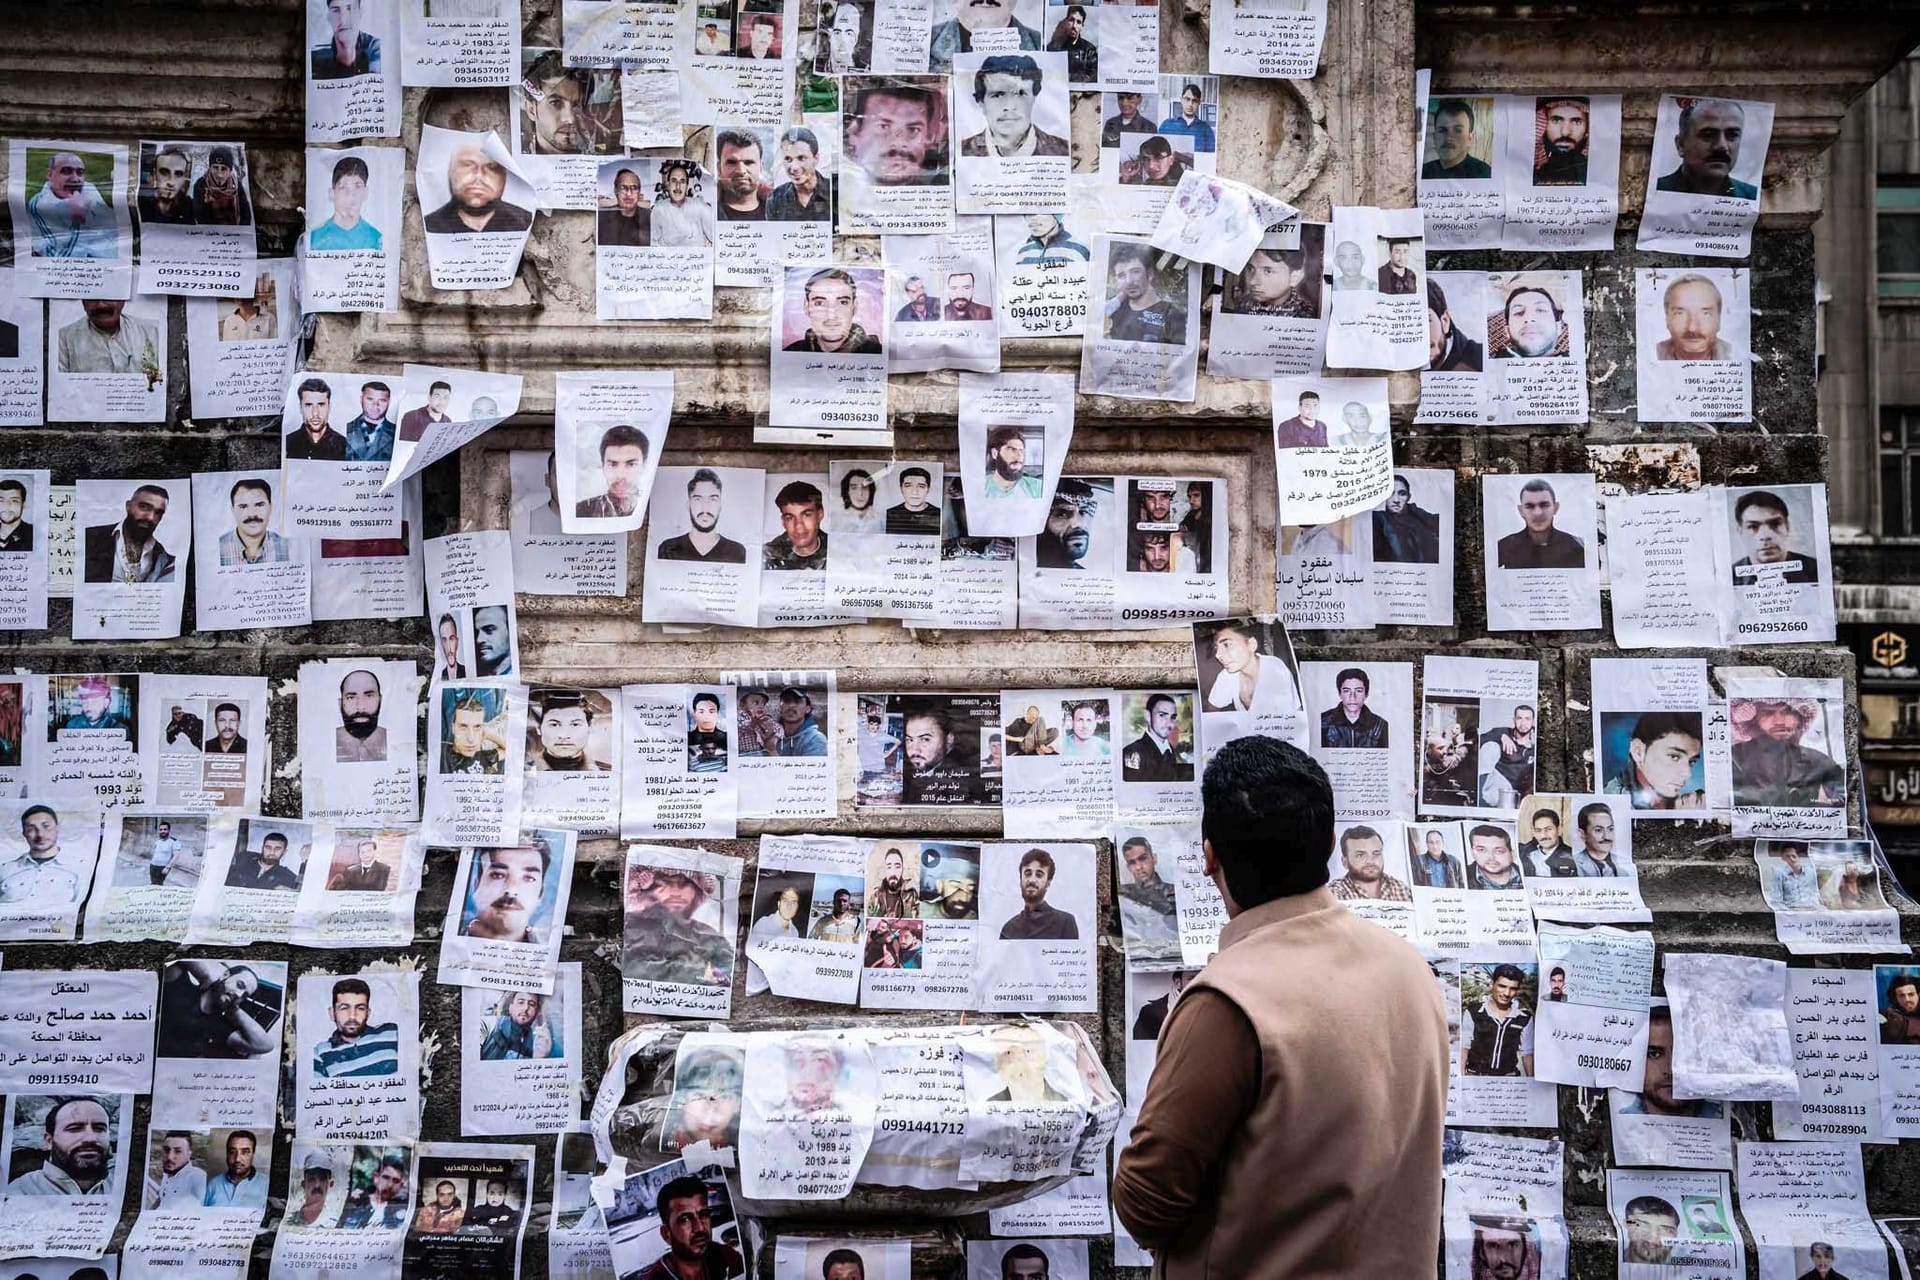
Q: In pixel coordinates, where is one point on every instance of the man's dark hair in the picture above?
(704, 696)
(1038, 857)
(1588, 810)
(1124, 252)
(620, 437)
(1141, 841)
(248, 483)
(1009, 64)
(1529, 288)
(153, 488)
(352, 987)
(226, 706)
(37, 808)
(685, 1187)
(846, 484)
(929, 711)
(374, 384)
(1155, 145)
(349, 167)
(1023, 1253)
(804, 136)
(496, 1182)
(440, 385)
(841, 1258)
(1353, 673)
(1650, 1204)
(996, 438)
(1436, 297)
(705, 475)
(797, 493)
(830, 273)
(1655, 725)
(539, 846)
(910, 472)
(1903, 980)
(396, 1163)
(1509, 972)
(900, 90)
(13, 486)
(281, 836)
(317, 386)
(1763, 499)
(738, 139)
(1558, 971)
(1454, 107)
(1538, 485)
(1552, 814)
(1488, 829)
(61, 1104)
(1361, 832)
(1267, 810)
(177, 1133)
(244, 1133)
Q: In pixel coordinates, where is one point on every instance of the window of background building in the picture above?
(1899, 471)
(1897, 218)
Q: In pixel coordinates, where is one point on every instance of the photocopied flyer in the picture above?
(1653, 1127)
(654, 240)
(1502, 1205)
(39, 1215)
(90, 757)
(53, 1037)
(203, 741)
(1578, 854)
(365, 897)
(477, 771)
(677, 767)
(1057, 748)
(337, 441)
(357, 1056)
(1670, 1223)
(1010, 117)
(257, 576)
(470, 589)
(240, 345)
(107, 360)
(829, 347)
(1499, 1007)
(353, 71)
(1827, 897)
(151, 864)
(1379, 289)
(468, 46)
(503, 923)
(47, 858)
(1649, 735)
(784, 732)
(135, 537)
(1563, 167)
(1042, 274)
(350, 255)
(196, 219)
(1789, 756)
(1270, 320)
(1832, 1015)
(1693, 344)
(372, 577)
(809, 1106)
(1037, 928)
(1479, 735)
(547, 561)
(357, 734)
(1703, 179)
(1362, 735)
(442, 410)
(521, 1057)
(250, 884)
(1593, 1020)
(1017, 427)
(805, 936)
(572, 773)
(1897, 992)
(1330, 470)
(1730, 1033)
(610, 428)
(22, 362)
(475, 205)
(1806, 1205)
(681, 917)
(219, 1042)
(697, 535)
(1271, 38)
(1142, 338)
(72, 229)
(940, 291)
(920, 943)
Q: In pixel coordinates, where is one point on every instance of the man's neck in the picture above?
(315, 437)
(1541, 538)
(46, 856)
(704, 542)
(805, 190)
(251, 546)
(346, 222)
(113, 332)
(133, 547)
(477, 220)
(804, 551)
(1353, 717)
(7, 527)
(686, 1268)
(1148, 301)
(751, 202)
(346, 46)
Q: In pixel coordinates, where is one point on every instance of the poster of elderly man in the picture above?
(476, 208)
(1704, 176)
(107, 359)
(1789, 756)
(71, 234)
(1693, 336)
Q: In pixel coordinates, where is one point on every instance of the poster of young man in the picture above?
(337, 437)
(72, 236)
(1455, 385)
(477, 770)
(654, 240)
(930, 749)
(1010, 117)
(365, 897)
(1563, 171)
(68, 1166)
(1156, 757)
(23, 346)
(470, 581)
(1826, 897)
(1649, 735)
(1143, 323)
(1054, 1259)
(805, 1258)
(443, 409)
(1674, 1223)
(667, 1217)
(1480, 740)
(805, 936)
(221, 1023)
(829, 336)
(520, 1058)
(1542, 572)
(1578, 854)
(1693, 344)
(1057, 745)
(1499, 1005)
(1331, 468)
(1789, 756)
(90, 757)
(809, 1111)
(565, 119)
(1782, 563)
(798, 578)
(1248, 682)
(240, 345)
(764, 221)
(1362, 734)
(1411, 573)
(251, 880)
(701, 521)
(353, 70)
(572, 774)
(677, 772)
(1465, 172)
(476, 208)
(919, 938)
(1652, 1127)
(940, 290)
(258, 576)
(47, 857)
(1536, 336)
(363, 1029)
(196, 218)
(784, 742)
(547, 561)
(1018, 426)
(357, 741)
(1018, 1076)
(107, 359)
(1704, 177)
(503, 927)
(148, 872)
(1379, 287)
(1043, 270)
(611, 428)
(1270, 318)
(681, 919)
(352, 262)
(889, 572)
(463, 45)
(896, 174)
(742, 71)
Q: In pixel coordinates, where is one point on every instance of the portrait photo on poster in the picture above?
(1704, 175)
(896, 173)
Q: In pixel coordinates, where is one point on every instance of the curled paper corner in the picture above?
(704, 1155)
(605, 1187)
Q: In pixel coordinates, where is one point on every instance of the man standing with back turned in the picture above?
(1255, 1072)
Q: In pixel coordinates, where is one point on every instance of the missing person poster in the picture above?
(1465, 172)
(680, 921)
(806, 935)
(547, 561)
(475, 206)
(572, 772)
(221, 1025)
(135, 539)
(920, 939)
(928, 749)
(504, 921)
(54, 1035)
(240, 344)
(1043, 272)
(654, 240)
(784, 735)
(1704, 177)
(196, 218)
(566, 119)
(90, 758)
(1499, 1005)
(1652, 1127)
(1037, 928)
(47, 858)
(1542, 569)
(808, 1114)
(151, 864)
(932, 286)
(1479, 735)
(677, 774)
(357, 1056)
(1412, 534)
(443, 409)
(1827, 897)
(1563, 171)
(1328, 470)
(23, 348)
(1830, 1012)
(337, 440)
(350, 259)
(611, 428)
(1010, 116)
(1270, 319)
(1693, 337)
(1057, 748)
(1578, 854)
(765, 223)
(470, 600)
(1782, 568)
(1276, 39)
(72, 233)
(107, 359)
(889, 551)
(203, 741)
(1143, 322)
(699, 525)
(467, 45)
(476, 769)
(365, 896)
(258, 576)
(472, 1203)
(372, 577)
(357, 733)
(520, 1058)
(1806, 1205)
(896, 164)
(1379, 288)
(1536, 336)
(1593, 1020)
(1018, 427)
(828, 343)
(1363, 734)
(250, 882)
(71, 1151)
(1789, 756)
(1156, 754)
(353, 71)
(1649, 735)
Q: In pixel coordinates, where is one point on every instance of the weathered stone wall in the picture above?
(231, 68)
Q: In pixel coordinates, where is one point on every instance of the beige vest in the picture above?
(1336, 1175)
